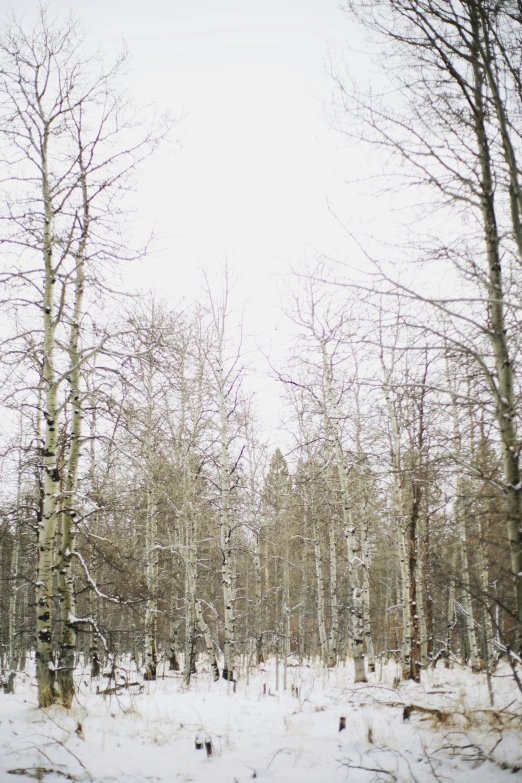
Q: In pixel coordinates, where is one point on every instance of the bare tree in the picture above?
(454, 129)
(62, 117)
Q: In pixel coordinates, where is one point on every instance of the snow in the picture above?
(147, 732)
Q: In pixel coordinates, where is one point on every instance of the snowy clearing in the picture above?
(147, 732)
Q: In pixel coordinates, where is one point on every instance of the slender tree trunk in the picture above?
(395, 443)
(94, 650)
(69, 513)
(190, 600)
(412, 542)
(504, 390)
(421, 596)
(151, 554)
(225, 527)
(173, 643)
(366, 602)
(51, 479)
(350, 533)
(406, 652)
(286, 613)
(465, 579)
(209, 644)
(488, 625)
(460, 525)
(12, 650)
(333, 641)
(259, 599)
(450, 621)
(321, 620)
(9, 682)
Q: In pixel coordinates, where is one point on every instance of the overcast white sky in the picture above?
(258, 161)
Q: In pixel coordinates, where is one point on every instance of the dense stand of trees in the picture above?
(142, 515)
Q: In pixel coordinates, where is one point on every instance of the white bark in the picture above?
(258, 598)
(450, 621)
(334, 611)
(406, 651)
(151, 551)
(460, 526)
(224, 387)
(474, 659)
(421, 601)
(209, 644)
(484, 586)
(69, 513)
(190, 580)
(286, 614)
(151, 554)
(350, 533)
(321, 622)
(366, 602)
(226, 532)
(12, 649)
(51, 480)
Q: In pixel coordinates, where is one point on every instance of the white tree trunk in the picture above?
(225, 528)
(484, 586)
(259, 599)
(333, 640)
(69, 513)
(366, 602)
(421, 603)
(450, 621)
(350, 533)
(321, 623)
(406, 651)
(209, 644)
(190, 595)
(51, 479)
(286, 614)
(13, 615)
(151, 551)
(151, 554)
(474, 659)
(460, 525)
(505, 397)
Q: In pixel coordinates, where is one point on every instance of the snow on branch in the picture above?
(114, 599)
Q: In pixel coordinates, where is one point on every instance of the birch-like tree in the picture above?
(452, 129)
(224, 363)
(62, 116)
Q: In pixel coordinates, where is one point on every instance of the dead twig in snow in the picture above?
(391, 775)
(38, 773)
(281, 750)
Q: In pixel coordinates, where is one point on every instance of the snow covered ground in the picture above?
(150, 735)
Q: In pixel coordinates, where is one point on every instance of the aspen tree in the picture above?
(60, 116)
(255, 453)
(323, 320)
(68, 510)
(321, 614)
(277, 492)
(398, 505)
(151, 552)
(12, 611)
(460, 525)
(224, 366)
(14, 568)
(456, 131)
(367, 486)
(350, 531)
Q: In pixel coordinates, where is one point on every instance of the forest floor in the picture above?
(441, 731)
